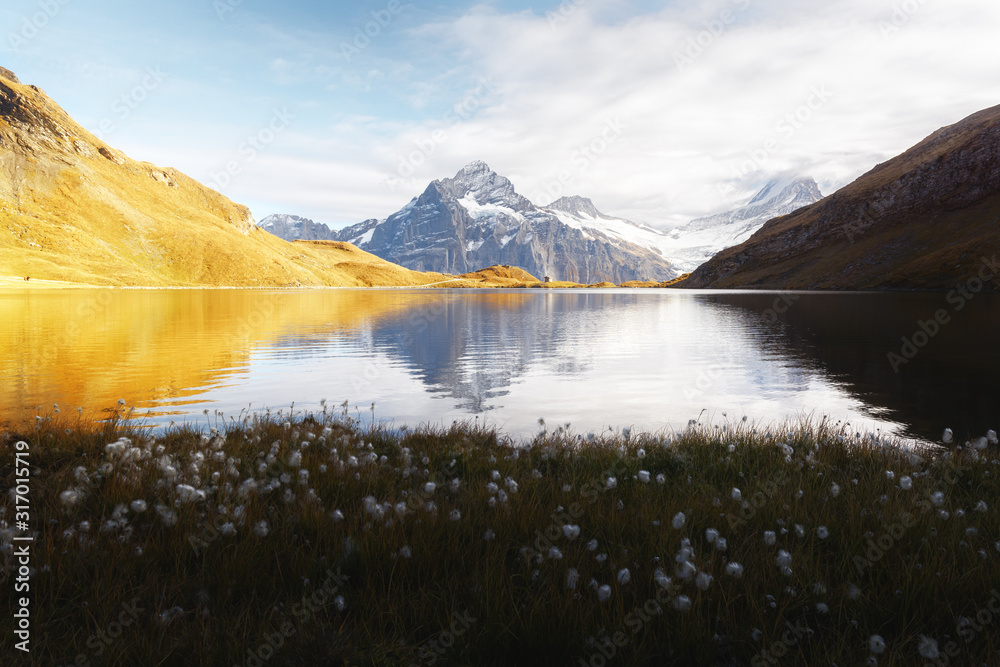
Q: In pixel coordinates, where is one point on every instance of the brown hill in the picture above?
(72, 208)
(927, 219)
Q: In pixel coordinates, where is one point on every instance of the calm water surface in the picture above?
(648, 359)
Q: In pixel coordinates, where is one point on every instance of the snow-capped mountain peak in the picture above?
(699, 240)
(477, 182)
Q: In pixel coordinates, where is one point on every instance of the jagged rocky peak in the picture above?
(295, 227)
(791, 189)
(483, 185)
(579, 206)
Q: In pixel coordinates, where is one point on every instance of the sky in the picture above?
(660, 112)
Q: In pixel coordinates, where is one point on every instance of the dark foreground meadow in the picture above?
(312, 540)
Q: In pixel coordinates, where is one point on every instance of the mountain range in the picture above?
(75, 209)
(927, 219)
(478, 219)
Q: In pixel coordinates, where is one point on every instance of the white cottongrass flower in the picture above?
(937, 498)
(686, 570)
(947, 436)
(572, 579)
(800, 531)
(834, 490)
(991, 436)
(340, 603)
(770, 537)
(571, 531)
(600, 558)
(661, 479)
(227, 529)
(641, 453)
(337, 516)
(876, 644)
(429, 487)
(853, 592)
(905, 483)
(889, 475)
(592, 545)
(69, 497)
(679, 520)
(492, 488)
(295, 459)
(138, 506)
(247, 487)
(822, 608)
(981, 506)
(681, 603)
(454, 484)
(370, 504)
(260, 529)
(604, 593)
(703, 581)
(168, 515)
(943, 515)
(822, 533)
(611, 483)
(643, 476)
(455, 515)
(400, 508)
(734, 570)
(405, 552)
(979, 444)
(783, 558)
(188, 494)
(721, 544)
(928, 647)
(624, 576)
(512, 485)
(660, 578)
(736, 494)
(495, 475)
(489, 534)
(711, 534)
(555, 554)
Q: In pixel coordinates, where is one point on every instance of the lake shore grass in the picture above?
(314, 540)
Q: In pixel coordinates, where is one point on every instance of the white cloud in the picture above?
(889, 78)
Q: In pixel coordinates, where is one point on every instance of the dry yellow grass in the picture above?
(76, 212)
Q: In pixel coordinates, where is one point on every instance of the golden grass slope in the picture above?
(74, 209)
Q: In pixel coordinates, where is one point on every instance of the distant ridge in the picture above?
(927, 219)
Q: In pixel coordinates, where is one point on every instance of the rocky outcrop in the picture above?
(927, 219)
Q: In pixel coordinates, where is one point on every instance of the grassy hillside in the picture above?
(72, 208)
(927, 219)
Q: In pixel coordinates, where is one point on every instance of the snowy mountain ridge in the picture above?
(477, 219)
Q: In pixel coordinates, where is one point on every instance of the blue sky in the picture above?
(658, 111)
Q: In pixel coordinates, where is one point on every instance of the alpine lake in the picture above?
(903, 364)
